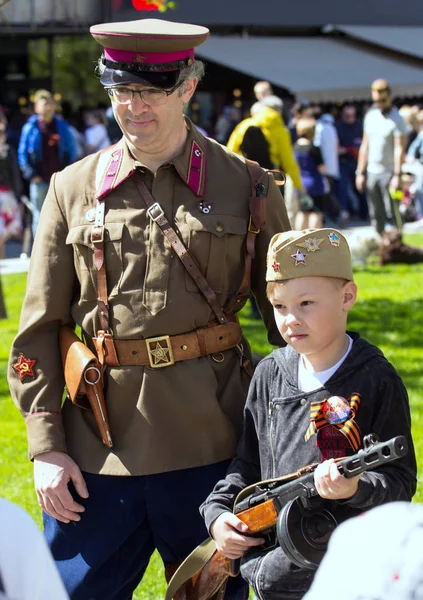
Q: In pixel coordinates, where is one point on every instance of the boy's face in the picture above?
(311, 314)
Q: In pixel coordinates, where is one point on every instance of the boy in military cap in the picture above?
(111, 257)
(312, 401)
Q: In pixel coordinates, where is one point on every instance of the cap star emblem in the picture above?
(311, 244)
(334, 239)
(24, 367)
(138, 58)
(299, 258)
(160, 354)
(276, 267)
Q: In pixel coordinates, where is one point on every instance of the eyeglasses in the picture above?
(150, 96)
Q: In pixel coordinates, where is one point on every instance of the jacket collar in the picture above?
(191, 164)
(117, 164)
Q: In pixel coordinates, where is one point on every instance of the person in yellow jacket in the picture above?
(276, 134)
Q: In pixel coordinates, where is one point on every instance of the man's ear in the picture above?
(188, 89)
(349, 292)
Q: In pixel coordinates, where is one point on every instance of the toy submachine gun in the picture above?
(287, 511)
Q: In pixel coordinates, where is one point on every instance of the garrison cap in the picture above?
(147, 51)
(308, 253)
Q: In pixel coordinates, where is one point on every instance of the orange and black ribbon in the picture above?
(348, 427)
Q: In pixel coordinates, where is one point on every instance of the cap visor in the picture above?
(164, 80)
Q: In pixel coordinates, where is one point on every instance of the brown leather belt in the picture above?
(165, 350)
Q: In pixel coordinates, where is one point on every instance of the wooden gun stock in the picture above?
(208, 582)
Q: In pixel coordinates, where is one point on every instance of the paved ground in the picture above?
(14, 264)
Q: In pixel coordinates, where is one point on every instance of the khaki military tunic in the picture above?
(185, 415)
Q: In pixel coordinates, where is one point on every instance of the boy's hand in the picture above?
(231, 536)
(330, 484)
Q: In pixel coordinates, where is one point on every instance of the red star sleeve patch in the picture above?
(25, 367)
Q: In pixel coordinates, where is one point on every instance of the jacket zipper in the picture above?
(271, 407)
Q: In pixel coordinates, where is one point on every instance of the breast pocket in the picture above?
(80, 238)
(216, 242)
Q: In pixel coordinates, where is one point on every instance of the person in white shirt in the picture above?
(96, 136)
(27, 569)
(381, 155)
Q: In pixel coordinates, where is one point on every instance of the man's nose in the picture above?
(138, 105)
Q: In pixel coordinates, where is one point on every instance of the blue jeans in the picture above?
(350, 198)
(37, 194)
(105, 554)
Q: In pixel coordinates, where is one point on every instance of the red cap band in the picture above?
(148, 58)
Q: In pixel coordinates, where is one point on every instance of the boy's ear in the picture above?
(349, 295)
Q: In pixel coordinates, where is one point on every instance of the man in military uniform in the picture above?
(113, 256)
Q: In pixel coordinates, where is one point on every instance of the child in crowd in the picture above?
(312, 206)
(404, 200)
(289, 412)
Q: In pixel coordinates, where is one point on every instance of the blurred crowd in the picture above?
(343, 163)
(326, 184)
(36, 144)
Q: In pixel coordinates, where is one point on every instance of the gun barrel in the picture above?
(376, 455)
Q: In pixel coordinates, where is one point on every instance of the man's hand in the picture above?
(330, 484)
(395, 182)
(231, 536)
(52, 473)
(360, 182)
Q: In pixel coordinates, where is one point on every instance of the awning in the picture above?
(318, 69)
(408, 40)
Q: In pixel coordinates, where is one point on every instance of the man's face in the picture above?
(45, 107)
(310, 313)
(149, 128)
(349, 115)
(382, 99)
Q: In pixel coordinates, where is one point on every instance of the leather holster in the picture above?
(84, 379)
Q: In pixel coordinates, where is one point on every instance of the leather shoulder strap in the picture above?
(157, 215)
(107, 169)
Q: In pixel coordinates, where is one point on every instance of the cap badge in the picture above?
(138, 58)
(299, 258)
(334, 239)
(311, 244)
(25, 367)
(90, 215)
(276, 267)
(205, 207)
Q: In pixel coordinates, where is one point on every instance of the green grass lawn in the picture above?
(389, 313)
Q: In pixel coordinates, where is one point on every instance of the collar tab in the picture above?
(196, 169)
(108, 176)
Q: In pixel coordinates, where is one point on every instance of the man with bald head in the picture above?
(381, 155)
(264, 93)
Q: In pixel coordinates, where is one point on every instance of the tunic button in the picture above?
(277, 407)
(219, 228)
(303, 401)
